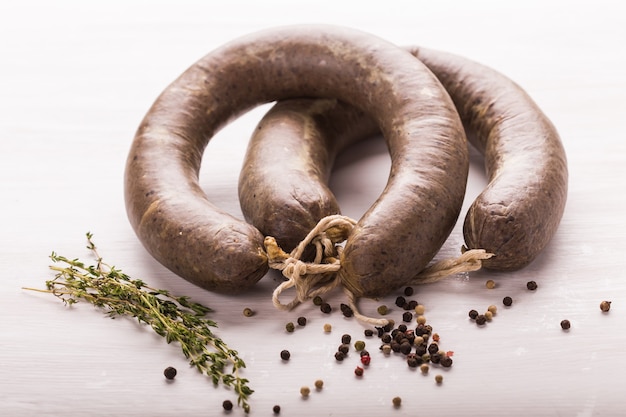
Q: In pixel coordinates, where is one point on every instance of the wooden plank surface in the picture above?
(75, 80)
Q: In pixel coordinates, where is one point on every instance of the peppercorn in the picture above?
(488, 315)
(317, 300)
(346, 339)
(565, 324)
(400, 301)
(359, 345)
(327, 327)
(438, 379)
(290, 327)
(285, 355)
(531, 285)
(302, 321)
(396, 401)
(605, 306)
(386, 338)
(325, 308)
(413, 361)
(412, 304)
(507, 301)
(382, 310)
(339, 356)
(435, 357)
(364, 353)
(344, 348)
(386, 349)
(402, 328)
(368, 332)
(365, 359)
(170, 372)
(276, 409)
(407, 316)
(436, 337)
(473, 314)
(248, 312)
(358, 371)
(305, 391)
(490, 284)
(389, 326)
(395, 346)
(446, 361)
(426, 357)
(492, 309)
(228, 405)
(420, 320)
(424, 368)
(433, 348)
(405, 347)
(408, 291)
(346, 310)
(319, 384)
(481, 319)
(419, 309)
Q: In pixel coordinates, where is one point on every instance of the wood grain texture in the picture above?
(75, 82)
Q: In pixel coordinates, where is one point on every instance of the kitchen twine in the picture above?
(311, 279)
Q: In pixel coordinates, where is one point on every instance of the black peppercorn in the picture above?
(368, 332)
(344, 348)
(405, 348)
(446, 361)
(421, 350)
(407, 316)
(412, 304)
(402, 328)
(565, 324)
(325, 308)
(346, 339)
(285, 355)
(170, 372)
(473, 314)
(395, 346)
(276, 409)
(379, 331)
(435, 357)
(413, 360)
(507, 301)
(301, 321)
(389, 326)
(386, 338)
(481, 319)
(228, 405)
(346, 310)
(364, 353)
(408, 291)
(433, 348)
(400, 301)
(339, 356)
(531, 285)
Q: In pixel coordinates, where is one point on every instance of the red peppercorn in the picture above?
(365, 359)
(358, 371)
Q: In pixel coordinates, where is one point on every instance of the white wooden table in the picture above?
(75, 80)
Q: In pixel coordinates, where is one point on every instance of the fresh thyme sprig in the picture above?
(176, 318)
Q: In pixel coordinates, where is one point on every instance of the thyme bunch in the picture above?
(176, 318)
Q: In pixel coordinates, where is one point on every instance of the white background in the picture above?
(75, 80)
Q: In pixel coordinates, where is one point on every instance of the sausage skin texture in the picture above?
(184, 231)
(514, 217)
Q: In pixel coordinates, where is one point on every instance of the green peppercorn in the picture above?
(248, 312)
(531, 285)
(227, 405)
(285, 355)
(605, 306)
(396, 401)
(301, 321)
(317, 300)
(290, 327)
(507, 301)
(170, 372)
(382, 310)
(276, 409)
(359, 345)
(565, 324)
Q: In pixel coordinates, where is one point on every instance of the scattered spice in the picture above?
(492, 309)
(424, 368)
(325, 308)
(346, 339)
(386, 348)
(319, 384)
(365, 359)
(327, 328)
(248, 312)
(481, 319)
(490, 284)
(344, 348)
(359, 345)
(438, 379)
(170, 372)
(346, 310)
(507, 301)
(413, 361)
(407, 316)
(408, 291)
(339, 356)
(227, 405)
(276, 409)
(396, 401)
(305, 391)
(565, 324)
(488, 315)
(382, 310)
(531, 285)
(446, 361)
(318, 301)
(420, 309)
(358, 371)
(368, 332)
(290, 327)
(421, 320)
(400, 301)
(285, 355)
(473, 314)
(301, 321)
(605, 306)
